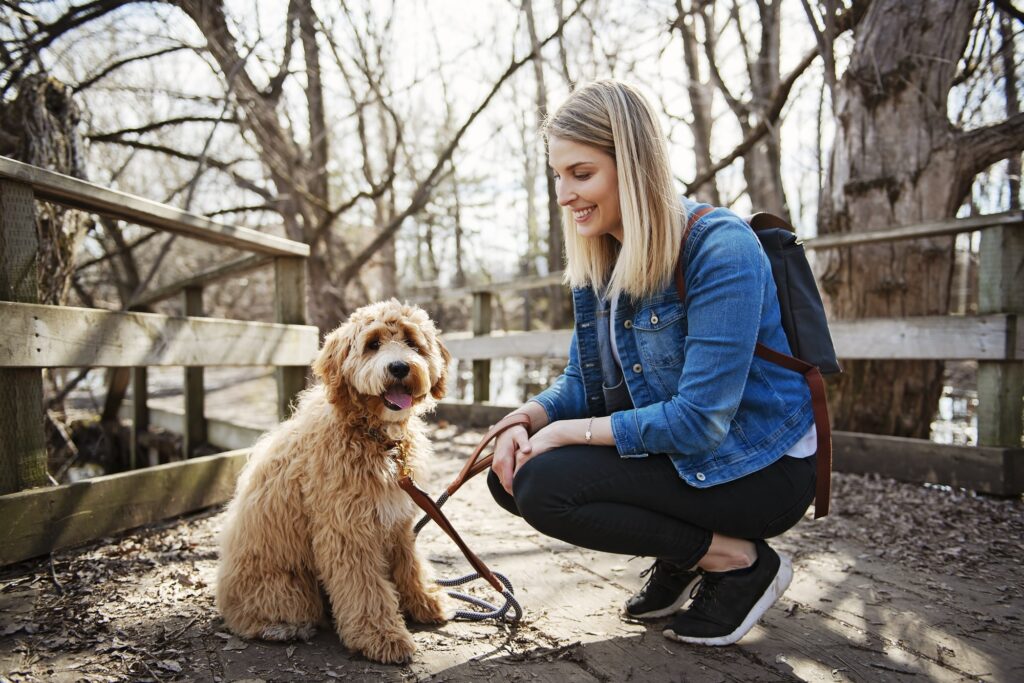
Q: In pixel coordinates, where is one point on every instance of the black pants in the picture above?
(591, 497)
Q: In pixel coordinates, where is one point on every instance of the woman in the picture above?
(664, 436)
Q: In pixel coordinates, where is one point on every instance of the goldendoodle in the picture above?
(318, 503)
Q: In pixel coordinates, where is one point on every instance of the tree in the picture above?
(898, 160)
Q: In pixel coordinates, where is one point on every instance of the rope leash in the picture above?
(511, 611)
(487, 610)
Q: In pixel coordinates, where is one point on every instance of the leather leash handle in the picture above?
(475, 465)
(428, 506)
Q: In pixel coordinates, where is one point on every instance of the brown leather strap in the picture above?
(691, 221)
(430, 507)
(475, 465)
(815, 382)
(819, 405)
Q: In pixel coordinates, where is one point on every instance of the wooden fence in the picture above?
(36, 336)
(994, 337)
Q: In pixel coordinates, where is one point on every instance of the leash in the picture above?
(510, 611)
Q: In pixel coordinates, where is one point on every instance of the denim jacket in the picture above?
(699, 393)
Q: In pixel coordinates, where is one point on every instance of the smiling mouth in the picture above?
(397, 398)
(583, 214)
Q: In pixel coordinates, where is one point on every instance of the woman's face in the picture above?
(586, 182)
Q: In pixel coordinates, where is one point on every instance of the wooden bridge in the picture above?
(40, 519)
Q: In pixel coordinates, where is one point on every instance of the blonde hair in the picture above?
(615, 118)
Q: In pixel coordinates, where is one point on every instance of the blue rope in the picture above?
(487, 610)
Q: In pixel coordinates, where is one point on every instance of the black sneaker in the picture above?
(728, 604)
(666, 591)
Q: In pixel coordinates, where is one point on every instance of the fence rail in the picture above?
(37, 336)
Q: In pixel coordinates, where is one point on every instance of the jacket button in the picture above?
(628, 324)
(654, 320)
(638, 368)
(700, 476)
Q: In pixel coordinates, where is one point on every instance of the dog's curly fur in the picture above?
(318, 503)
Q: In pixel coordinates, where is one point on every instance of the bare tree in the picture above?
(897, 159)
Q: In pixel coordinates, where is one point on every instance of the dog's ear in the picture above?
(440, 387)
(328, 364)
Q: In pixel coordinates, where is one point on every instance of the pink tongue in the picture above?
(399, 398)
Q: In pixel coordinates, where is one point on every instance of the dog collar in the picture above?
(396, 448)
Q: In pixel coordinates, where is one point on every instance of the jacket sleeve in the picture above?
(565, 399)
(725, 284)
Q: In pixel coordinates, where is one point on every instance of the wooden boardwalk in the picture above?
(884, 590)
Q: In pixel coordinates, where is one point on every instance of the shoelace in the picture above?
(704, 594)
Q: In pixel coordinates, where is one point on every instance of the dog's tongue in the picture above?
(399, 398)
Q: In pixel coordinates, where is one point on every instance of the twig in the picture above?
(53, 577)
(892, 668)
(178, 633)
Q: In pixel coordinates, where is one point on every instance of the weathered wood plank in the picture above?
(79, 194)
(39, 521)
(241, 266)
(927, 337)
(481, 327)
(523, 284)
(551, 344)
(988, 337)
(993, 470)
(1001, 383)
(39, 336)
(1014, 219)
(23, 444)
(194, 393)
(139, 414)
(220, 433)
(289, 309)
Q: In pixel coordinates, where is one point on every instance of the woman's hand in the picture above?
(511, 444)
(552, 436)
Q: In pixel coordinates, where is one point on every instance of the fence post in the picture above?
(1001, 383)
(289, 309)
(481, 367)
(140, 413)
(195, 397)
(23, 445)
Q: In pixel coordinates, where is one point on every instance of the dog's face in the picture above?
(386, 359)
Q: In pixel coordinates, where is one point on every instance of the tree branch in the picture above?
(222, 166)
(771, 116)
(423, 191)
(1007, 6)
(114, 135)
(978, 149)
(127, 60)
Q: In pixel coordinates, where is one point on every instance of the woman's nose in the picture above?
(565, 196)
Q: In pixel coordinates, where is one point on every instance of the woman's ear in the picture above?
(440, 387)
(328, 364)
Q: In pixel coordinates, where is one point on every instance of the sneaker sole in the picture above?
(774, 591)
(684, 598)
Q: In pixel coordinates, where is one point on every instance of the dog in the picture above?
(318, 503)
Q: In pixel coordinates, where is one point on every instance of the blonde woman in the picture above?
(664, 436)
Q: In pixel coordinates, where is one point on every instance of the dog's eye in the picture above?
(412, 345)
(374, 345)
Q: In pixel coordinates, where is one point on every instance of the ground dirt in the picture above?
(901, 582)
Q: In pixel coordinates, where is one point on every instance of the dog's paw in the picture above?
(390, 647)
(432, 607)
(283, 631)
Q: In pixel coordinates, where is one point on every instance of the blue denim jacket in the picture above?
(699, 393)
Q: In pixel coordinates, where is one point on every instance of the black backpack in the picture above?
(804, 321)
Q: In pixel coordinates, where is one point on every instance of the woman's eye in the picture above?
(374, 345)
(583, 177)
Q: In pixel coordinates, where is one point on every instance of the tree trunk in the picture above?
(894, 162)
(700, 94)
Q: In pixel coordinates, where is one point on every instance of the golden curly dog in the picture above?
(318, 503)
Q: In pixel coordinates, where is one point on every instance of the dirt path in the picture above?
(900, 583)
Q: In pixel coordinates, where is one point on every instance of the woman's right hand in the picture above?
(509, 442)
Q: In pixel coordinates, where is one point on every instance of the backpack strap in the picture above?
(815, 382)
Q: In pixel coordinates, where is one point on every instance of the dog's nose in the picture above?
(399, 369)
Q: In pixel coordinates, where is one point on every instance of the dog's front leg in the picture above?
(422, 599)
(363, 598)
